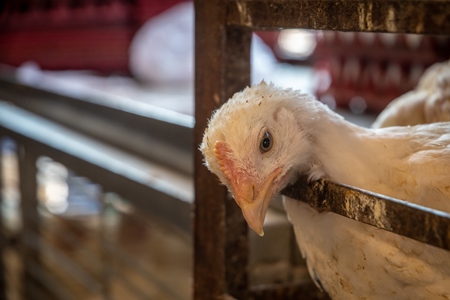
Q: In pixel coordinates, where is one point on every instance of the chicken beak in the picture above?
(254, 199)
(252, 196)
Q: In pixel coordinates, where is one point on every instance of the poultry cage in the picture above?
(113, 247)
(223, 31)
(220, 234)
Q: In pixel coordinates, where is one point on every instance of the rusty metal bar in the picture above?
(414, 221)
(237, 76)
(29, 211)
(406, 16)
(3, 238)
(222, 58)
(424, 17)
(209, 204)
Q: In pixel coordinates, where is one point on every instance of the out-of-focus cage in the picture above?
(84, 215)
(133, 240)
(88, 34)
(223, 32)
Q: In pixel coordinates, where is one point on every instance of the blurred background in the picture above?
(127, 44)
(121, 73)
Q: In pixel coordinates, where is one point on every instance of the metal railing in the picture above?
(223, 38)
(148, 187)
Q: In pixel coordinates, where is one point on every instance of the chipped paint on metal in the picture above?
(245, 17)
(362, 24)
(362, 208)
(420, 17)
(377, 211)
(391, 25)
(347, 204)
(365, 16)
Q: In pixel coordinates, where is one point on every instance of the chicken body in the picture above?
(351, 260)
(263, 138)
(428, 103)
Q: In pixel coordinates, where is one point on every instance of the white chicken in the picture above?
(264, 137)
(428, 103)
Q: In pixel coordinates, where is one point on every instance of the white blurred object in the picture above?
(29, 73)
(296, 43)
(52, 182)
(162, 51)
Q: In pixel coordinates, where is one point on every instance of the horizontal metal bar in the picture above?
(149, 186)
(151, 132)
(406, 16)
(407, 219)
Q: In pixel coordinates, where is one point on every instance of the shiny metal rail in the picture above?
(151, 132)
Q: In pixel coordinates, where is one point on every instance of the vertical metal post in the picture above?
(3, 239)
(222, 67)
(237, 77)
(30, 217)
(105, 253)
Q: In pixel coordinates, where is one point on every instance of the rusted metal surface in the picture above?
(237, 76)
(222, 58)
(3, 238)
(209, 204)
(222, 67)
(424, 17)
(30, 216)
(401, 217)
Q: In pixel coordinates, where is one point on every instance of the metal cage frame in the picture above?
(222, 58)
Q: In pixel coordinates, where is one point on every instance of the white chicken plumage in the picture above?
(429, 102)
(265, 137)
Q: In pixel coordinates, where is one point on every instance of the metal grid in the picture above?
(223, 31)
(62, 258)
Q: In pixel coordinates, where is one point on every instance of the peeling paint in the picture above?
(365, 16)
(347, 204)
(420, 18)
(361, 16)
(390, 20)
(378, 210)
(244, 16)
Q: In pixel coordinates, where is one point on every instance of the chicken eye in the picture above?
(266, 142)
